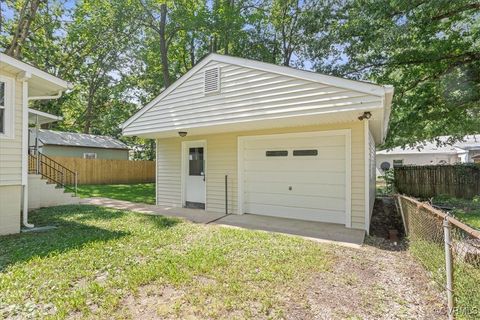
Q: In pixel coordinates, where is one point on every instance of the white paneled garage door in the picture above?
(300, 176)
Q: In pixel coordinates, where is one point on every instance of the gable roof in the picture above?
(470, 142)
(73, 139)
(359, 86)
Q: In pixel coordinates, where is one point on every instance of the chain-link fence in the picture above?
(449, 250)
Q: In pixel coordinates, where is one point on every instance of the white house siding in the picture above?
(415, 159)
(246, 94)
(222, 160)
(11, 169)
(11, 149)
(372, 171)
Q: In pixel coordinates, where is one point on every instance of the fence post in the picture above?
(448, 267)
(398, 204)
(76, 183)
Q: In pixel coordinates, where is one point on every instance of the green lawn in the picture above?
(467, 211)
(104, 263)
(142, 192)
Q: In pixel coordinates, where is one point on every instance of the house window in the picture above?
(397, 163)
(90, 155)
(6, 108)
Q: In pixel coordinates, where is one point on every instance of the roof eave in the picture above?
(28, 72)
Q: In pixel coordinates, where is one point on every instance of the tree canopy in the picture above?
(120, 54)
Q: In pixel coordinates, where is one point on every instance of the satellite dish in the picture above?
(385, 166)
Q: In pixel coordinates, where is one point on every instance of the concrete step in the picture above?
(43, 194)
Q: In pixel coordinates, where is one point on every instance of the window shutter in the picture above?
(212, 80)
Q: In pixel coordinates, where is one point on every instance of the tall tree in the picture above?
(99, 40)
(429, 50)
(21, 28)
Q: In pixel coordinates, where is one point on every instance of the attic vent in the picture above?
(212, 80)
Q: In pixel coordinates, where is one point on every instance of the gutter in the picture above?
(58, 95)
(387, 103)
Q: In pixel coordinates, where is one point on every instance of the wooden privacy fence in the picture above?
(105, 171)
(461, 181)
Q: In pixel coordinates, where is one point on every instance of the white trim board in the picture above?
(348, 168)
(367, 175)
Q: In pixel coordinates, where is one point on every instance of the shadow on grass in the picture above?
(75, 227)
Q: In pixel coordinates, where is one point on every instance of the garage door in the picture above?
(299, 176)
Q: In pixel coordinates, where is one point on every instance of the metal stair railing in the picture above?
(53, 171)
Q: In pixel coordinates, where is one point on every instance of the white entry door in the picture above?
(195, 175)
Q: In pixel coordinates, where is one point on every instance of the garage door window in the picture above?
(277, 153)
(305, 152)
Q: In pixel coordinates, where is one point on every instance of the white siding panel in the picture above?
(245, 94)
(11, 149)
(222, 160)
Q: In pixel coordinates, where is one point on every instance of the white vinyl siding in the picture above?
(10, 200)
(222, 160)
(246, 94)
(11, 148)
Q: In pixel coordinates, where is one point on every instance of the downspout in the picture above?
(25, 101)
(25, 153)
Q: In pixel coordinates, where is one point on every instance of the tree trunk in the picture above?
(89, 112)
(23, 27)
(192, 50)
(163, 45)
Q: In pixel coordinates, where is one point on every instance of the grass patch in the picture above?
(466, 276)
(99, 263)
(142, 192)
(467, 211)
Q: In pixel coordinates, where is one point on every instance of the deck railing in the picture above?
(54, 172)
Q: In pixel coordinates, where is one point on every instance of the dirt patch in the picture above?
(371, 283)
(152, 302)
(385, 217)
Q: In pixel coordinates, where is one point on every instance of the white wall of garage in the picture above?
(223, 160)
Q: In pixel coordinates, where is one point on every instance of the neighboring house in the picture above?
(241, 136)
(19, 84)
(471, 144)
(78, 145)
(430, 153)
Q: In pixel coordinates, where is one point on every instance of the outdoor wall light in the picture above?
(366, 115)
(182, 133)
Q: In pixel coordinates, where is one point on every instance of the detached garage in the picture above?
(245, 137)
